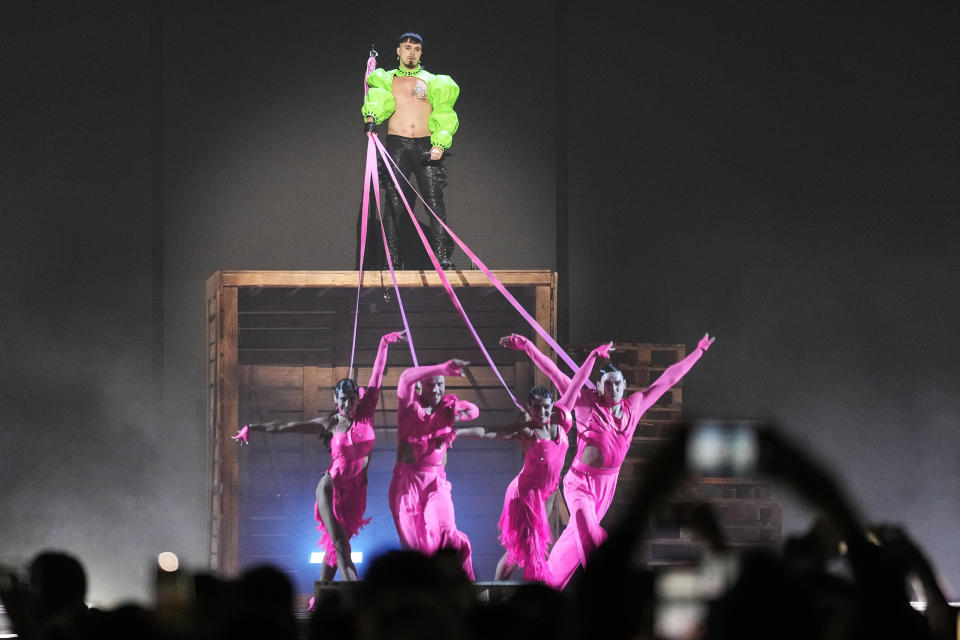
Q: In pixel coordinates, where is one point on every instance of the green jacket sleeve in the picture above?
(442, 92)
(379, 102)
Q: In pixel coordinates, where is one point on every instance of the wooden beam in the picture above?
(545, 315)
(376, 278)
(227, 376)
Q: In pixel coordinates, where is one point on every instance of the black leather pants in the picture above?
(412, 155)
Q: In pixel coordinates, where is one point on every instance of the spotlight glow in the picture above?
(168, 561)
(317, 557)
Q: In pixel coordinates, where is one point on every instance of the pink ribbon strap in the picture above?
(371, 65)
(364, 211)
(543, 333)
(371, 176)
(387, 161)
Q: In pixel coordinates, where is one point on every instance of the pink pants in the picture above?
(422, 509)
(589, 492)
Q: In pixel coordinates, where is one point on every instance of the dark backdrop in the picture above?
(784, 176)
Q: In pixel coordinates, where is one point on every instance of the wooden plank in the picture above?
(301, 339)
(544, 315)
(212, 288)
(285, 321)
(227, 422)
(271, 378)
(457, 278)
(314, 402)
(418, 304)
(213, 411)
(389, 320)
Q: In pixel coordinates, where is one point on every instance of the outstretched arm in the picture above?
(521, 343)
(569, 397)
(319, 425)
(406, 386)
(475, 432)
(504, 432)
(643, 400)
(376, 376)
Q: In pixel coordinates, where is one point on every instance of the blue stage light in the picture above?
(316, 557)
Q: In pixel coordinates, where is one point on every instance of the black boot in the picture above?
(394, 257)
(443, 257)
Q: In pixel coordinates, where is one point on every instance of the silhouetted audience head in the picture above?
(58, 582)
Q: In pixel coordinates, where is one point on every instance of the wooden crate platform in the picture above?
(277, 343)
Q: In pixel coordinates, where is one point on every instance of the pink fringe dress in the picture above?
(348, 450)
(524, 529)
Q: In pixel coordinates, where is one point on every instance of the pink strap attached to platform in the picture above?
(370, 178)
(365, 207)
(543, 333)
(388, 161)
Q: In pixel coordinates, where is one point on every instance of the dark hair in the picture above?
(59, 580)
(609, 368)
(410, 36)
(539, 392)
(346, 385)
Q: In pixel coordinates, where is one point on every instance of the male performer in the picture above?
(420, 128)
(419, 492)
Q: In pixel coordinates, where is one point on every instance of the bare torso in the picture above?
(591, 455)
(405, 451)
(409, 119)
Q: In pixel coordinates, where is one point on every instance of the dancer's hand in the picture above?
(514, 341)
(604, 350)
(243, 435)
(436, 153)
(705, 341)
(459, 366)
(396, 336)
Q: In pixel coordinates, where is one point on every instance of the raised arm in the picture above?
(569, 397)
(643, 400)
(380, 363)
(521, 343)
(406, 386)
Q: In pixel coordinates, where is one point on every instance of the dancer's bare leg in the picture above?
(328, 572)
(341, 542)
(504, 569)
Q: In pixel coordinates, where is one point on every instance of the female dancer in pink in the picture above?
(605, 425)
(524, 529)
(420, 495)
(342, 491)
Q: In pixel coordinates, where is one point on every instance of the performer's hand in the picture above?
(396, 336)
(705, 341)
(459, 366)
(243, 435)
(514, 341)
(604, 350)
(436, 153)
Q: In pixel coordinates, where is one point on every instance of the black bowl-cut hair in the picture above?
(410, 36)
